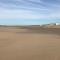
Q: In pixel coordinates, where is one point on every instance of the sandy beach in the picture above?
(15, 45)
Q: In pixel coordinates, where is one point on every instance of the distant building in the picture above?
(57, 23)
(52, 24)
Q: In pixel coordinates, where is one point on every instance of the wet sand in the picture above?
(15, 45)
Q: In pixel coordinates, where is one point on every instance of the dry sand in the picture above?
(28, 46)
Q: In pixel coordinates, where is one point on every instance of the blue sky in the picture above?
(27, 22)
(25, 12)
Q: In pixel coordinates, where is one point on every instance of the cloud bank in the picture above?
(29, 9)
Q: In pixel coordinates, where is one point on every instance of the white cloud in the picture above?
(19, 14)
(7, 13)
(25, 14)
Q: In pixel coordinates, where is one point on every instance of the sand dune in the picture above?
(31, 44)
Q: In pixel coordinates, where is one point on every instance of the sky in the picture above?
(26, 12)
